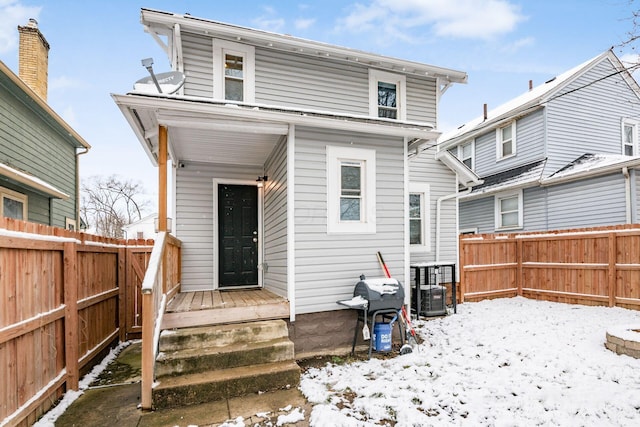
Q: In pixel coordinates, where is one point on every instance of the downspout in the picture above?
(627, 194)
(78, 154)
(438, 209)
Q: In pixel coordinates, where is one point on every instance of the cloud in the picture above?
(518, 45)
(303, 24)
(12, 14)
(269, 20)
(467, 19)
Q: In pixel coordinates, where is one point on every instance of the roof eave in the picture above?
(592, 173)
(165, 20)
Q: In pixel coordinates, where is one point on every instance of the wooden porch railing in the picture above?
(161, 283)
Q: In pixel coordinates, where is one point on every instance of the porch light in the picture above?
(263, 178)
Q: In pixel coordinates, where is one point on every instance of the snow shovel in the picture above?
(411, 339)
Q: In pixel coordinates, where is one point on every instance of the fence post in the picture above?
(613, 252)
(70, 279)
(462, 263)
(519, 266)
(123, 306)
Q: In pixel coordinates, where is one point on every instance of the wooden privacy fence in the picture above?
(597, 266)
(65, 297)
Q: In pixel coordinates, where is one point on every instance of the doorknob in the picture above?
(255, 240)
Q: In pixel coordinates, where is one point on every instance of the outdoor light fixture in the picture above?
(148, 64)
(263, 178)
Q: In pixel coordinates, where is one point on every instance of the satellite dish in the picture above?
(168, 83)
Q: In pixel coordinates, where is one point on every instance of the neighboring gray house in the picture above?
(38, 150)
(563, 155)
(307, 150)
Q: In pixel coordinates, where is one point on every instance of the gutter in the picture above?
(78, 154)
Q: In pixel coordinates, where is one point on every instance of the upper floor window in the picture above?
(387, 95)
(466, 154)
(234, 71)
(629, 137)
(506, 141)
(13, 204)
(509, 210)
(351, 190)
(419, 217)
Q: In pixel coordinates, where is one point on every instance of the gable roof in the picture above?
(25, 94)
(532, 100)
(157, 22)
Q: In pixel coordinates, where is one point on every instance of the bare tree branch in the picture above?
(108, 204)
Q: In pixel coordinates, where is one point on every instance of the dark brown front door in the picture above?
(238, 234)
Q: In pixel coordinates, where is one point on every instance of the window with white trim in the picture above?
(234, 71)
(466, 154)
(13, 204)
(629, 137)
(509, 211)
(387, 95)
(506, 141)
(419, 237)
(351, 190)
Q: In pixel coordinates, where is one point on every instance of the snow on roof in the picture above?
(514, 178)
(592, 163)
(534, 97)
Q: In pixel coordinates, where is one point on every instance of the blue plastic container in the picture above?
(382, 336)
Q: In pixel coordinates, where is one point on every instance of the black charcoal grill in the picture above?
(381, 294)
(382, 297)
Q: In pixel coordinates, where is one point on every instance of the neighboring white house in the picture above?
(563, 155)
(144, 228)
(296, 161)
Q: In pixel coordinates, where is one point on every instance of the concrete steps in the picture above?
(197, 365)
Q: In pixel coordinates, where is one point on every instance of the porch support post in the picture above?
(162, 178)
(291, 237)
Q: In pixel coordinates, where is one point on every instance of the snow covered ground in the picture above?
(505, 362)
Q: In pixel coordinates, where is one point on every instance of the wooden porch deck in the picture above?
(189, 309)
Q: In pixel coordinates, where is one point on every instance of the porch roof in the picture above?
(207, 130)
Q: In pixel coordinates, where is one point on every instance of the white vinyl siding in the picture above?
(194, 217)
(277, 84)
(424, 169)
(275, 222)
(328, 265)
(531, 134)
(604, 99)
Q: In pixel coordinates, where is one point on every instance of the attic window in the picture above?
(506, 141)
(629, 137)
(233, 71)
(387, 95)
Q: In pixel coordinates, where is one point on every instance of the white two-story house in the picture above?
(295, 161)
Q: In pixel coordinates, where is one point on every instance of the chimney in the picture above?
(484, 110)
(530, 85)
(33, 58)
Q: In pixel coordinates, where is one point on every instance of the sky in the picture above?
(502, 362)
(97, 48)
